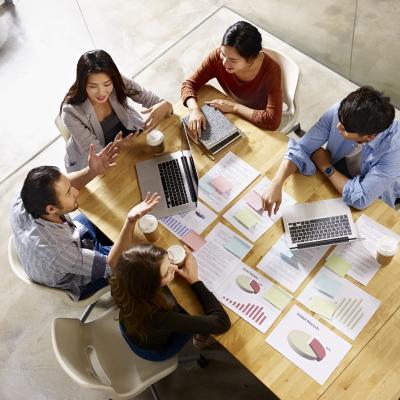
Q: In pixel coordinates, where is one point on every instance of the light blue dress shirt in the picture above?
(380, 160)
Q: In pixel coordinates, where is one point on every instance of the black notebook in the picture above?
(219, 132)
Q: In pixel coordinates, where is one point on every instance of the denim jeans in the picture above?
(102, 244)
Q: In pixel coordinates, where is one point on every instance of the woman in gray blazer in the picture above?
(96, 109)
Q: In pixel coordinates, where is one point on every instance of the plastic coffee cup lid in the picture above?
(387, 246)
(148, 223)
(176, 253)
(154, 138)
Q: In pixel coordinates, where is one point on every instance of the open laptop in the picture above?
(174, 177)
(321, 223)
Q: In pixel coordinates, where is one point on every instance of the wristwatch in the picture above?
(329, 170)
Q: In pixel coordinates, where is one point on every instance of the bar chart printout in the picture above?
(243, 291)
(352, 306)
(253, 311)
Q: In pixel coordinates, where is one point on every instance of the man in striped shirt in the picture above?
(57, 251)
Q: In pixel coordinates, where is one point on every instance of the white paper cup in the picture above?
(155, 140)
(176, 255)
(148, 224)
(386, 249)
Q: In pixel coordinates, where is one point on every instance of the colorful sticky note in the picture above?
(237, 247)
(277, 297)
(338, 264)
(324, 307)
(326, 285)
(221, 184)
(253, 199)
(193, 240)
(246, 217)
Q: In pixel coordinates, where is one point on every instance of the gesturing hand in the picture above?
(124, 141)
(144, 207)
(156, 114)
(102, 161)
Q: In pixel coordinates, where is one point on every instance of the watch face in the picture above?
(329, 171)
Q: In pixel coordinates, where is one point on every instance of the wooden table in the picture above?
(371, 369)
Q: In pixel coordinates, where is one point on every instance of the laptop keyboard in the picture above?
(320, 229)
(173, 184)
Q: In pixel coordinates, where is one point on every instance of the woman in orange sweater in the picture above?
(248, 76)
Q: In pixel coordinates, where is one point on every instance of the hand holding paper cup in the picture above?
(176, 255)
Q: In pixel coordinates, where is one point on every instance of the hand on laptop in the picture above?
(144, 207)
(272, 198)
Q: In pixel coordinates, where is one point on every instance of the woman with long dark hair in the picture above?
(96, 109)
(246, 73)
(155, 326)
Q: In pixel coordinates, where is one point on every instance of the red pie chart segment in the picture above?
(306, 346)
(248, 284)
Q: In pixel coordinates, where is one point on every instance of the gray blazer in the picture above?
(84, 126)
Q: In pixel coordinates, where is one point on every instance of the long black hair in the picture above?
(92, 62)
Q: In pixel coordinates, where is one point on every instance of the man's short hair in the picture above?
(38, 190)
(366, 112)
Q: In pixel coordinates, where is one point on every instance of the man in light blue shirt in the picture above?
(360, 135)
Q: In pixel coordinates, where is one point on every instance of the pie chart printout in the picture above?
(248, 284)
(306, 346)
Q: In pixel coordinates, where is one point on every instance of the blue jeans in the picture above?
(173, 347)
(102, 244)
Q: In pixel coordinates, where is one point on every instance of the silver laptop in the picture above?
(321, 223)
(174, 177)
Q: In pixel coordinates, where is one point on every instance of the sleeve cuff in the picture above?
(300, 158)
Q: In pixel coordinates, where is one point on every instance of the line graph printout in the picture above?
(346, 306)
(244, 292)
(247, 214)
(288, 267)
(308, 344)
(225, 180)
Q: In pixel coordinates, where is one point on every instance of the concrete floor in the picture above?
(40, 42)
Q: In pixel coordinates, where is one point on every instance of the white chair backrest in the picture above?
(19, 271)
(62, 128)
(15, 263)
(96, 356)
(290, 77)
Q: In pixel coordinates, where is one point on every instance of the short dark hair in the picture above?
(38, 190)
(366, 111)
(245, 38)
(92, 62)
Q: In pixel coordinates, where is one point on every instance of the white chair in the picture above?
(96, 356)
(62, 128)
(290, 81)
(19, 271)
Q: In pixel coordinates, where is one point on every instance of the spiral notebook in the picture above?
(321, 223)
(219, 132)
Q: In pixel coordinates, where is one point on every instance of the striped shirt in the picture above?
(52, 253)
